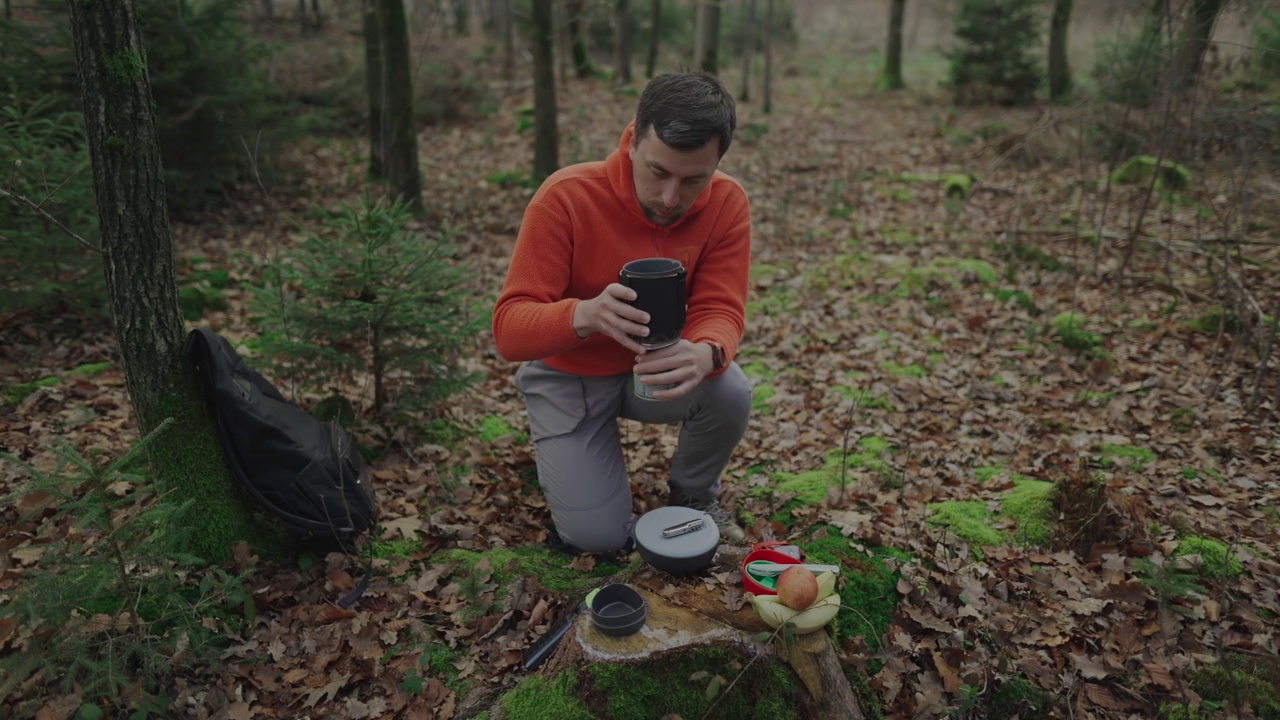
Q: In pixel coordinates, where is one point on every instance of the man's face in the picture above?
(669, 180)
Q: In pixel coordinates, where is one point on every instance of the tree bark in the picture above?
(399, 135)
(128, 183)
(707, 47)
(768, 58)
(576, 10)
(508, 25)
(546, 148)
(374, 87)
(1195, 40)
(655, 31)
(461, 18)
(891, 78)
(621, 43)
(1059, 66)
(748, 47)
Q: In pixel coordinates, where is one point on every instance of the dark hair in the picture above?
(686, 110)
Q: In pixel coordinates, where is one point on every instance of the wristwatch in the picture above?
(717, 357)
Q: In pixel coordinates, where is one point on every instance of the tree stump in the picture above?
(693, 612)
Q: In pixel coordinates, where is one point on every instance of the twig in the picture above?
(844, 451)
(35, 207)
(1266, 358)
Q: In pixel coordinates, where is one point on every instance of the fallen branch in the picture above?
(45, 213)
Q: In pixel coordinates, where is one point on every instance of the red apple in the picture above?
(797, 588)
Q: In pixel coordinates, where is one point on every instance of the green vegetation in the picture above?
(1182, 419)
(493, 427)
(866, 582)
(1214, 321)
(368, 294)
(1219, 563)
(914, 371)
(1141, 169)
(1068, 327)
(864, 398)
(1137, 456)
(809, 488)
(537, 698)
(550, 567)
(1238, 683)
(996, 56)
(1028, 504)
(19, 392)
(760, 396)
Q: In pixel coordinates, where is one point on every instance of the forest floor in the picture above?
(912, 362)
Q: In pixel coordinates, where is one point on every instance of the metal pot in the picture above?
(678, 540)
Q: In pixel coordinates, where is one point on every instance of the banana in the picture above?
(826, 586)
(775, 613)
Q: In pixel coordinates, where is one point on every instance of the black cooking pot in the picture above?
(678, 540)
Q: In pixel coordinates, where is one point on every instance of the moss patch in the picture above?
(549, 566)
(810, 487)
(1017, 697)
(914, 371)
(1218, 561)
(865, 583)
(760, 399)
(538, 698)
(1068, 327)
(949, 272)
(864, 399)
(1139, 456)
(1138, 170)
(19, 392)
(663, 686)
(1029, 504)
(1238, 682)
(494, 427)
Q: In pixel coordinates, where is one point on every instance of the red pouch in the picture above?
(767, 551)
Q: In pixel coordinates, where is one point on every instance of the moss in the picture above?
(399, 548)
(1068, 328)
(336, 408)
(950, 272)
(1020, 298)
(958, 185)
(760, 399)
(764, 271)
(970, 520)
(757, 369)
(865, 583)
(1218, 560)
(777, 303)
(810, 487)
(1138, 170)
(1138, 455)
(987, 473)
(1237, 683)
(1215, 320)
(537, 698)
(494, 427)
(1182, 419)
(1029, 503)
(914, 371)
(864, 399)
(19, 392)
(126, 66)
(1033, 254)
(549, 566)
(1017, 697)
(196, 300)
(664, 686)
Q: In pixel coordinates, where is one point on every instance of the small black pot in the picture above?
(619, 609)
(683, 554)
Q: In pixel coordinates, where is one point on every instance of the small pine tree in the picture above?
(366, 293)
(996, 59)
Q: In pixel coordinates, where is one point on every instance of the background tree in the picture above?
(621, 42)
(1197, 30)
(1059, 67)
(398, 135)
(993, 60)
(655, 32)
(576, 12)
(461, 18)
(891, 78)
(749, 31)
(707, 47)
(768, 58)
(546, 146)
(139, 269)
(373, 86)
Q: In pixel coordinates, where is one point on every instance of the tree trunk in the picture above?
(748, 47)
(374, 87)
(891, 78)
(508, 25)
(621, 43)
(8, 9)
(461, 18)
(768, 58)
(655, 31)
(707, 48)
(546, 148)
(1195, 40)
(1059, 67)
(128, 183)
(315, 12)
(576, 10)
(400, 136)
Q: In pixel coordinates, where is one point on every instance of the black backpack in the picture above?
(307, 474)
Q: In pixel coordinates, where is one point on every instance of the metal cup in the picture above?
(660, 291)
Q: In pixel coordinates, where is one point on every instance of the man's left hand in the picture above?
(683, 364)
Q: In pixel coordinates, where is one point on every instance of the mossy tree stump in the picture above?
(692, 614)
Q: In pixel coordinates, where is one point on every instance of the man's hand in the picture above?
(684, 365)
(610, 313)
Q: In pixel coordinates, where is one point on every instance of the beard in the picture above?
(661, 216)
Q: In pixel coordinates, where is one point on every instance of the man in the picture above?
(564, 315)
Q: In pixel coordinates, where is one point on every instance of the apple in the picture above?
(797, 587)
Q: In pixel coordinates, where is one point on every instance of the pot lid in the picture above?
(693, 544)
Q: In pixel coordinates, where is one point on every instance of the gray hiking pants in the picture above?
(574, 425)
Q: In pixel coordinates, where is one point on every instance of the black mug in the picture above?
(660, 291)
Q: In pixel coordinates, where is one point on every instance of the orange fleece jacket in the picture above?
(581, 227)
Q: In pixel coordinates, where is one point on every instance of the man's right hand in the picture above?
(610, 313)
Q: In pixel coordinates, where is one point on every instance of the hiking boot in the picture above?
(729, 529)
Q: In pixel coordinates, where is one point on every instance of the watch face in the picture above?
(717, 357)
